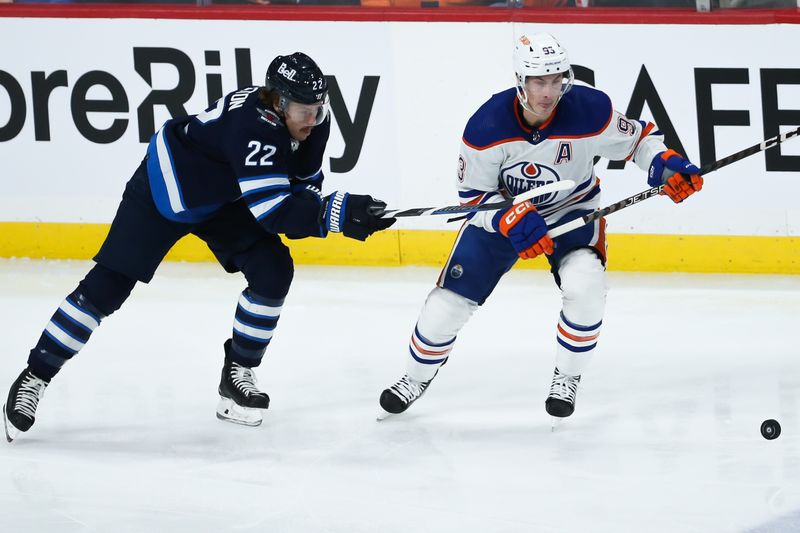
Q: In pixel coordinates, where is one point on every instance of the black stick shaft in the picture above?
(644, 195)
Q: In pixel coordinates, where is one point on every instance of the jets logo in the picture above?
(525, 176)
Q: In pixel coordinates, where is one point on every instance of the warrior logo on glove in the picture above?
(353, 215)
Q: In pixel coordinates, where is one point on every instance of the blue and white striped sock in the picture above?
(253, 326)
(67, 332)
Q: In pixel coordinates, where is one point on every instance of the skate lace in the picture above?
(30, 392)
(564, 387)
(409, 389)
(244, 379)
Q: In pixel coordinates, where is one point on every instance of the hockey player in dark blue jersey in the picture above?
(236, 175)
(541, 131)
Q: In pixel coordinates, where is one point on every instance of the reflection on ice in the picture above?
(665, 437)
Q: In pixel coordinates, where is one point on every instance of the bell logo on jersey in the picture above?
(525, 176)
(286, 72)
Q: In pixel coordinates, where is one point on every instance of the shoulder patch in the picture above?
(270, 117)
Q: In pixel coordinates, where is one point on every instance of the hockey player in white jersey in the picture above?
(543, 130)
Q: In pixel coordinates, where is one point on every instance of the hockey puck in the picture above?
(770, 429)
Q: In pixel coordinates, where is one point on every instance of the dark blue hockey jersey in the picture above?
(238, 148)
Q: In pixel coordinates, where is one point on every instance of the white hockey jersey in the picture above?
(501, 156)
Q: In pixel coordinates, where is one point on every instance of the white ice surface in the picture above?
(665, 437)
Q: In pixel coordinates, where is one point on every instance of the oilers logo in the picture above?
(525, 176)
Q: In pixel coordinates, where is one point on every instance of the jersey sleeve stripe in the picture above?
(253, 185)
(470, 193)
(271, 188)
(484, 199)
(265, 207)
(645, 132)
(263, 176)
(313, 176)
(475, 201)
(167, 173)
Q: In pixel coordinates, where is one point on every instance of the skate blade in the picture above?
(555, 423)
(11, 431)
(229, 411)
(383, 415)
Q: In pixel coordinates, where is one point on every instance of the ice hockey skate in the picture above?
(19, 411)
(240, 400)
(560, 402)
(399, 397)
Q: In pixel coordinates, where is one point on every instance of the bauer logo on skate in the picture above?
(525, 176)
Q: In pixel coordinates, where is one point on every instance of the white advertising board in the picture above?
(75, 112)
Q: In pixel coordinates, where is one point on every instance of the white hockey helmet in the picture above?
(540, 55)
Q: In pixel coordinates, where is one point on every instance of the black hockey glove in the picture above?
(353, 215)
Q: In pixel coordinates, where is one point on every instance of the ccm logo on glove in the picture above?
(526, 229)
(514, 214)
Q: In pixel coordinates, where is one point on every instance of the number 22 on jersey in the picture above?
(253, 159)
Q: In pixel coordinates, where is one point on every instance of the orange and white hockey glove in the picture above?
(525, 228)
(680, 177)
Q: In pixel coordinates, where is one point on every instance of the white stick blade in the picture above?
(556, 186)
(565, 228)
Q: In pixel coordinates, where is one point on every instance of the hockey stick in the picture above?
(456, 209)
(644, 195)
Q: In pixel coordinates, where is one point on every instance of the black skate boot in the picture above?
(240, 400)
(560, 402)
(399, 397)
(19, 412)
